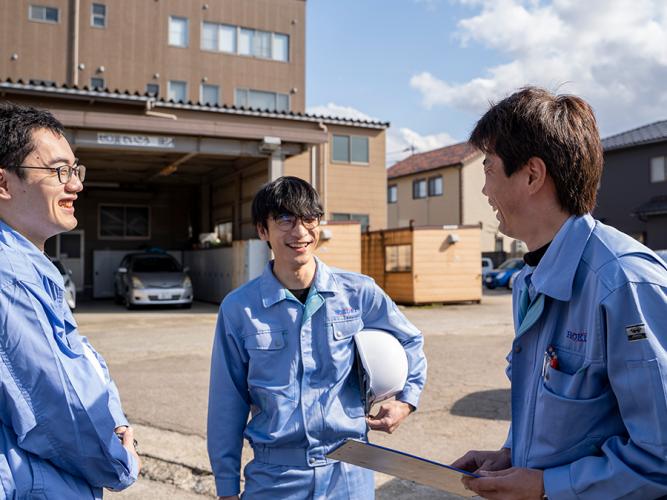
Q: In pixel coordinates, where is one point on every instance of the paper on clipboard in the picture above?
(399, 464)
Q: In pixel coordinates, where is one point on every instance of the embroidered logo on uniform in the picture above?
(636, 332)
(344, 312)
(577, 337)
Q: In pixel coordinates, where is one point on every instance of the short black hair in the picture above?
(17, 124)
(285, 195)
(561, 130)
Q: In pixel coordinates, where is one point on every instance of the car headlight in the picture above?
(137, 283)
(187, 282)
(500, 275)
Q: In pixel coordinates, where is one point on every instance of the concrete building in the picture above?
(181, 111)
(444, 187)
(632, 195)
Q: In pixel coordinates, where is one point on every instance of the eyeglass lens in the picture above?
(65, 173)
(287, 222)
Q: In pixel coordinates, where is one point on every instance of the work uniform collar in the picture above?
(273, 292)
(31, 256)
(554, 275)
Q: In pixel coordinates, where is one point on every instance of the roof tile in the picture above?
(438, 158)
(654, 132)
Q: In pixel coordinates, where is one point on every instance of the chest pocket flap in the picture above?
(266, 341)
(345, 329)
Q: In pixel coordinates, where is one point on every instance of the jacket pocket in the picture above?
(272, 363)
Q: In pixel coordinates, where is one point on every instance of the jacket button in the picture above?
(339, 335)
(517, 349)
(303, 335)
(277, 342)
(312, 460)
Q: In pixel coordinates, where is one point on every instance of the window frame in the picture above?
(359, 217)
(254, 47)
(93, 87)
(201, 94)
(247, 98)
(394, 188)
(350, 161)
(435, 178)
(650, 169)
(45, 21)
(187, 33)
(187, 91)
(157, 94)
(124, 237)
(414, 192)
(93, 15)
(398, 269)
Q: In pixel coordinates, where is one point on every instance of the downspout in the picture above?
(149, 112)
(313, 164)
(324, 170)
(75, 43)
(460, 194)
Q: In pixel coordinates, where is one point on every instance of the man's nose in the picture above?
(299, 228)
(74, 185)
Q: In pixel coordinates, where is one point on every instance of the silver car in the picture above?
(152, 278)
(70, 288)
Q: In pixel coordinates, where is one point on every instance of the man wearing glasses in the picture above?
(59, 410)
(284, 353)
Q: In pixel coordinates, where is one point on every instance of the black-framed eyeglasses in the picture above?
(64, 171)
(287, 222)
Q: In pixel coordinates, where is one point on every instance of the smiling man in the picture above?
(59, 410)
(588, 364)
(284, 352)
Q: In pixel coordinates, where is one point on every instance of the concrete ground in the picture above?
(160, 358)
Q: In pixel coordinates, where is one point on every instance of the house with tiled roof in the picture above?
(632, 195)
(444, 187)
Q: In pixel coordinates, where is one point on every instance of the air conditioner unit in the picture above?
(270, 144)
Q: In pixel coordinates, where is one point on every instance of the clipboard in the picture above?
(399, 464)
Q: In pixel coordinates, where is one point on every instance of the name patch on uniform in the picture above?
(344, 312)
(577, 337)
(636, 332)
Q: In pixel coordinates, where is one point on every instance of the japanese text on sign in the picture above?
(142, 141)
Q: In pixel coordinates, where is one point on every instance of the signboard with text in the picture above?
(142, 141)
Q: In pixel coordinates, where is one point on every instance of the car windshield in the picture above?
(60, 267)
(151, 264)
(508, 265)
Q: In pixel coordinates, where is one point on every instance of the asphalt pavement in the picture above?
(159, 359)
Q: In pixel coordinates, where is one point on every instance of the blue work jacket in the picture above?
(59, 408)
(290, 366)
(597, 423)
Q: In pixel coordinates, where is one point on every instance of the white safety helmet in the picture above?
(382, 365)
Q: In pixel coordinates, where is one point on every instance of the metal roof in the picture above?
(654, 132)
(142, 99)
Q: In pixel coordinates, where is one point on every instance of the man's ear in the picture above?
(537, 174)
(4, 185)
(263, 233)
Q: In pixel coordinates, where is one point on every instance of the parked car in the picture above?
(502, 275)
(70, 288)
(152, 278)
(487, 265)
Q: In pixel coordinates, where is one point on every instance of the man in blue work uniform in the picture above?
(284, 352)
(588, 364)
(59, 409)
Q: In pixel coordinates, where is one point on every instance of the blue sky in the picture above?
(430, 66)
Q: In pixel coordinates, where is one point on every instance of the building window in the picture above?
(392, 194)
(152, 89)
(265, 101)
(419, 189)
(225, 230)
(435, 186)
(45, 83)
(349, 149)
(363, 218)
(253, 43)
(177, 91)
(499, 244)
(124, 222)
(178, 31)
(398, 258)
(44, 14)
(96, 83)
(658, 169)
(210, 95)
(98, 15)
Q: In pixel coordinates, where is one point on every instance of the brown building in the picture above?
(443, 187)
(181, 111)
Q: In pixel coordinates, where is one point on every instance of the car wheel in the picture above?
(117, 298)
(128, 304)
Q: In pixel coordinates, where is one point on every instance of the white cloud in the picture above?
(611, 52)
(399, 139)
